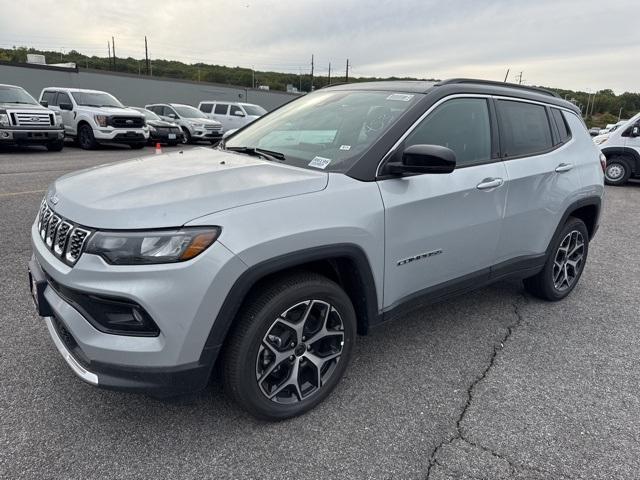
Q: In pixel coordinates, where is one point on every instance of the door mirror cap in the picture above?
(424, 159)
(238, 113)
(66, 106)
(44, 103)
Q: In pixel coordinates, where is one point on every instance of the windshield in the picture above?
(96, 99)
(16, 95)
(149, 115)
(329, 129)
(254, 110)
(188, 112)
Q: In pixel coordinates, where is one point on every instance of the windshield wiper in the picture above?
(259, 152)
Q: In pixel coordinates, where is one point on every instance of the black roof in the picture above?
(463, 85)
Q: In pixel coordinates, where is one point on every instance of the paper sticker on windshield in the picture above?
(345, 147)
(320, 162)
(403, 97)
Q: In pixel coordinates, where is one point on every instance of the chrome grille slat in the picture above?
(62, 237)
(26, 119)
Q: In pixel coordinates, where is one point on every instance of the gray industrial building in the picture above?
(136, 90)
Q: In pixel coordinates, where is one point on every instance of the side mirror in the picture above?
(66, 106)
(172, 115)
(636, 131)
(424, 159)
(238, 113)
(44, 103)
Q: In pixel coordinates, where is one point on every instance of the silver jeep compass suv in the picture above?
(319, 221)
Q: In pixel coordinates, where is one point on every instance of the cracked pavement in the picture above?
(495, 384)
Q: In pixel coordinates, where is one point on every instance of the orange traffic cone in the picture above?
(158, 148)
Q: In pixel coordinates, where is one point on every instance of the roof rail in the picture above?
(499, 84)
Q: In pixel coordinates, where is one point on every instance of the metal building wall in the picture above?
(136, 90)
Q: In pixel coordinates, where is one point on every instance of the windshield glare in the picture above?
(96, 99)
(254, 110)
(188, 112)
(329, 130)
(149, 115)
(16, 95)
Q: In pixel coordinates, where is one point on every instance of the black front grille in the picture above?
(62, 237)
(127, 122)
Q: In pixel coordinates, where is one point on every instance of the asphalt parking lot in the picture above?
(492, 385)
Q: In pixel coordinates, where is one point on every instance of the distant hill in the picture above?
(606, 109)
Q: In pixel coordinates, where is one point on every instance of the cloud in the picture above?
(570, 44)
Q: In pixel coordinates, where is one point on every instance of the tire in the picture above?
(138, 146)
(86, 140)
(565, 263)
(187, 136)
(55, 146)
(263, 352)
(617, 172)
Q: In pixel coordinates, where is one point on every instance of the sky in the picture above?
(581, 45)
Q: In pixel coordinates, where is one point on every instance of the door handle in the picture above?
(488, 183)
(564, 167)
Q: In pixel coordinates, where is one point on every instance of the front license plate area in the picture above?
(37, 286)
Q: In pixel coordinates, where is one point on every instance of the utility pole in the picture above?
(346, 76)
(113, 49)
(620, 114)
(329, 77)
(519, 77)
(507, 75)
(311, 88)
(146, 55)
(109, 51)
(586, 110)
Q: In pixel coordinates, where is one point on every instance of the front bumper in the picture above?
(30, 135)
(163, 136)
(120, 135)
(175, 361)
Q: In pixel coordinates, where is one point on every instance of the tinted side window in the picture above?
(221, 109)
(236, 110)
(49, 97)
(524, 128)
(206, 107)
(460, 124)
(168, 111)
(63, 98)
(561, 123)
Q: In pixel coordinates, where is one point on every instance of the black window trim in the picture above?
(566, 124)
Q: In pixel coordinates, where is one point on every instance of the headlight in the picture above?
(58, 118)
(197, 125)
(161, 246)
(4, 120)
(101, 120)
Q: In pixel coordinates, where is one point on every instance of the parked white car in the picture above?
(92, 117)
(195, 125)
(232, 115)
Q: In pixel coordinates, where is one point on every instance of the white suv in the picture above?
(232, 115)
(92, 117)
(195, 125)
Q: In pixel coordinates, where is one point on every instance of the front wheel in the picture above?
(290, 347)
(55, 146)
(564, 265)
(617, 172)
(186, 137)
(85, 137)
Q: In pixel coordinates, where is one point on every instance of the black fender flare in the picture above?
(243, 285)
(583, 202)
(630, 153)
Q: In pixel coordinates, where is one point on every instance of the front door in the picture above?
(440, 228)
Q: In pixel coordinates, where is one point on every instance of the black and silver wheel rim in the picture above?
(568, 261)
(85, 140)
(300, 352)
(614, 172)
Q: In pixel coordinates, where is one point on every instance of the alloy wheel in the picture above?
(568, 261)
(300, 351)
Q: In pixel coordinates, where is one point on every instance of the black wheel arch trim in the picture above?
(591, 201)
(627, 152)
(248, 279)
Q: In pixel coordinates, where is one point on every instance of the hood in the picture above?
(129, 112)
(161, 123)
(172, 189)
(204, 121)
(23, 107)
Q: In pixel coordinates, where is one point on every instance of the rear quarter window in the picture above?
(524, 128)
(561, 123)
(206, 107)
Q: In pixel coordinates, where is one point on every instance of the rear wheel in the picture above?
(86, 140)
(617, 171)
(55, 146)
(290, 347)
(565, 264)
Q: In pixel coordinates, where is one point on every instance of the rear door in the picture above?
(237, 116)
(543, 169)
(220, 113)
(444, 228)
